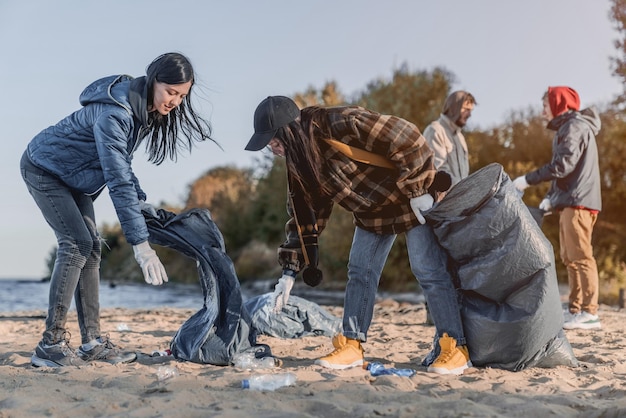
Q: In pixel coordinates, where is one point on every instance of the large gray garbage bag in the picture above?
(298, 318)
(504, 264)
(221, 328)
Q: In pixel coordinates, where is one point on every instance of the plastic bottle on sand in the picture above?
(378, 369)
(248, 361)
(269, 381)
(165, 373)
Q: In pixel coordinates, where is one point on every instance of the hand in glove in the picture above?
(153, 271)
(545, 205)
(147, 207)
(421, 204)
(520, 183)
(281, 292)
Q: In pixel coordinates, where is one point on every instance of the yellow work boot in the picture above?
(339, 340)
(452, 359)
(350, 354)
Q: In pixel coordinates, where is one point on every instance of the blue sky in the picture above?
(505, 52)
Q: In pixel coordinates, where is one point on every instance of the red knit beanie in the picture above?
(562, 99)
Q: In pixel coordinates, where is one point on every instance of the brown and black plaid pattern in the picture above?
(377, 197)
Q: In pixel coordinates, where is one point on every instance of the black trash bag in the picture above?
(505, 271)
(221, 329)
(299, 318)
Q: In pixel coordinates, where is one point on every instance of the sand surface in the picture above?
(398, 337)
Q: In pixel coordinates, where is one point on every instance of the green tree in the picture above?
(329, 95)
(118, 263)
(226, 192)
(415, 96)
(612, 148)
(265, 219)
(618, 17)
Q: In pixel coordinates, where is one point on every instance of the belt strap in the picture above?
(361, 155)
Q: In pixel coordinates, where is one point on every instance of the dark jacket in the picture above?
(93, 147)
(574, 168)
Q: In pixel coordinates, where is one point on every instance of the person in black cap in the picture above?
(380, 168)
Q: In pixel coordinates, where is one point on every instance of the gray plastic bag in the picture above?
(505, 273)
(298, 318)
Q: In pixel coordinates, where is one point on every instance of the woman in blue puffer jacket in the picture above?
(67, 165)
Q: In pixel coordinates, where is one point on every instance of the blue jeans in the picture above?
(429, 265)
(77, 267)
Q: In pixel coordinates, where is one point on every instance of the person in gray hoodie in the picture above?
(67, 165)
(575, 193)
(445, 138)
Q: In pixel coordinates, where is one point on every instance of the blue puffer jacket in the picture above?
(93, 147)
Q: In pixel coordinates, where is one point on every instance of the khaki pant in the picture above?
(575, 229)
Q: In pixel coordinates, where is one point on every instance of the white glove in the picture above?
(281, 293)
(421, 204)
(545, 205)
(520, 183)
(147, 207)
(153, 271)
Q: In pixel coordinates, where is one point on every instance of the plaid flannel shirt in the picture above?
(377, 197)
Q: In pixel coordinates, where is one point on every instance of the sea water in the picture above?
(27, 295)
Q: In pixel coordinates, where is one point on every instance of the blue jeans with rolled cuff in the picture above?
(428, 262)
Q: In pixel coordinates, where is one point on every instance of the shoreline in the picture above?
(33, 295)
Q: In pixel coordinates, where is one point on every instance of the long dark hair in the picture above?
(303, 155)
(163, 141)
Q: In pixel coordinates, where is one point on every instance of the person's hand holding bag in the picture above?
(147, 207)
(421, 204)
(153, 271)
(545, 205)
(281, 293)
(520, 183)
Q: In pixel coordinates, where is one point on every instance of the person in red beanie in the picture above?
(575, 193)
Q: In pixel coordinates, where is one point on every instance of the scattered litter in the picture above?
(163, 353)
(122, 327)
(165, 373)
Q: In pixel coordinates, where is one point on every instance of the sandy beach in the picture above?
(398, 337)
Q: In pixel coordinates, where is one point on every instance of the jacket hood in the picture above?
(589, 115)
(138, 99)
(562, 99)
(453, 104)
(104, 91)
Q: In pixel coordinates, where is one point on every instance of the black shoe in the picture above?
(55, 355)
(106, 351)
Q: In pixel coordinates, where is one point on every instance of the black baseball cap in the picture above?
(270, 115)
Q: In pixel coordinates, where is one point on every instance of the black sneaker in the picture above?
(55, 355)
(106, 351)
